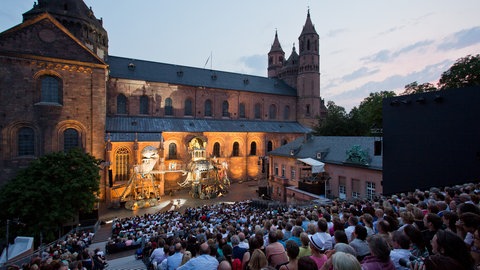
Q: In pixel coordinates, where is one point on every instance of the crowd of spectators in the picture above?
(71, 253)
(434, 229)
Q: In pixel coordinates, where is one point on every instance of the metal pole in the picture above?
(6, 237)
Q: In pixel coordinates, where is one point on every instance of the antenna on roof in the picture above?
(210, 58)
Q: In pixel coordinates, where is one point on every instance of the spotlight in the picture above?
(394, 103)
(438, 98)
(421, 100)
(406, 101)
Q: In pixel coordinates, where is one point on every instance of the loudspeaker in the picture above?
(110, 178)
(377, 148)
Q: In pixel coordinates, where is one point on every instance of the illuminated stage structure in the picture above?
(206, 176)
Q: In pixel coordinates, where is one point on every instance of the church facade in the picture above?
(60, 89)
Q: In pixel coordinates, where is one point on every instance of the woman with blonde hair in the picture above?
(258, 260)
(187, 255)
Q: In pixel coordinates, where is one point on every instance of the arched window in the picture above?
(284, 141)
(269, 146)
(70, 139)
(253, 149)
(122, 161)
(236, 149)
(286, 113)
(225, 112)
(172, 151)
(51, 91)
(168, 106)
(26, 141)
(270, 60)
(308, 44)
(258, 111)
(188, 106)
(241, 110)
(216, 149)
(143, 104)
(121, 104)
(272, 112)
(208, 107)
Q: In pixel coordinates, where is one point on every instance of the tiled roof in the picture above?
(332, 148)
(126, 128)
(135, 69)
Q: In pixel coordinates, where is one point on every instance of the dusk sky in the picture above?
(365, 46)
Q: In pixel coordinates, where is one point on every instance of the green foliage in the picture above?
(51, 191)
(464, 72)
(370, 109)
(336, 123)
(414, 88)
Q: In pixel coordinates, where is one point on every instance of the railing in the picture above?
(27, 258)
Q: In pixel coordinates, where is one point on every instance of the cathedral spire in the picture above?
(308, 28)
(276, 47)
(276, 57)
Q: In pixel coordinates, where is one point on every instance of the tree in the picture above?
(51, 191)
(465, 72)
(414, 88)
(370, 110)
(336, 123)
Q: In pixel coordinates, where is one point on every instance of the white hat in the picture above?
(317, 241)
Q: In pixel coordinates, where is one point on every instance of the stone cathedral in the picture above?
(60, 89)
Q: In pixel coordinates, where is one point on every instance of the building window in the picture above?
(122, 161)
(272, 112)
(121, 104)
(253, 149)
(258, 111)
(355, 188)
(241, 111)
(216, 149)
(172, 151)
(236, 149)
(51, 91)
(269, 146)
(225, 112)
(188, 107)
(342, 189)
(283, 170)
(276, 169)
(308, 109)
(168, 106)
(370, 190)
(70, 139)
(284, 141)
(26, 141)
(208, 107)
(143, 104)
(293, 173)
(286, 113)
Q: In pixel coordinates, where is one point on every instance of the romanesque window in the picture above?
(172, 151)
(225, 112)
(70, 139)
(269, 146)
(258, 111)
(253, 149)
(270, 60)
(241, 110)
(208, 107)
(370, 192)
(121, 104)
(286, 113)
(26, 141)
(50, 89)
(236, 149)
(122, 161)
(168, 106)
(143, 104)
(272, 112)
(308, 109)
(216, 149)
(284, 141)
(188, 107)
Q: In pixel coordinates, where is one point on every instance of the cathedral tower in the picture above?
(78, 19)
(308, 79)
(276, 57)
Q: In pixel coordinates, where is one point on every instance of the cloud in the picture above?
(382, 56)
(461, 39)
(352, 97)
(361, 72)
(255, 64)
(415, 46)
(336, 32)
